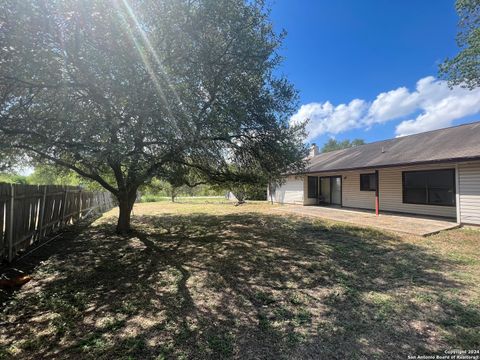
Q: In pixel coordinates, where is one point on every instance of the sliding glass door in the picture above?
(331, 190)
(336, 190)
(325, 190)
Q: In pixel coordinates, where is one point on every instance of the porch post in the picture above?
(377, 194)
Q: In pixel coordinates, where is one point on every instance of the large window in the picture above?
(433, 187)
(368, 182)
(312, 187)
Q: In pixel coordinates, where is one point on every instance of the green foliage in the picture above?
(221, 344)
(46, 175)
(49, 175)
(333, 144)
(255, 191)
(464, 68)
(55, 175)
(13, 178)
(158, 189)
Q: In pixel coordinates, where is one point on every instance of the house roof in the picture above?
(458, 143)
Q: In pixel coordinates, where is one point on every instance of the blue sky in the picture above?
(369, 68)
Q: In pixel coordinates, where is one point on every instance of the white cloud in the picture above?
(326, 118)
(440, 107)
(391, 105)
(433, 104)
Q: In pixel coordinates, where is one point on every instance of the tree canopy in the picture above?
(121, 91)
(333, 144)
(464, 68)
(13, 178)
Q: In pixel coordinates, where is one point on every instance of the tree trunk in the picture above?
(125, 205)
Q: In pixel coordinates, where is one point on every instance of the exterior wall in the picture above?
(469, 192)
(289, 193)
(294, 191)
(351, 194)
(391, 192)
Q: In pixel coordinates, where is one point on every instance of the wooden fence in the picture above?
(29, 213)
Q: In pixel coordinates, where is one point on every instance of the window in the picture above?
(312, 187)
(368, 182)
(433, 187)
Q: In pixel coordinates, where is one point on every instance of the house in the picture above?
(435, 173)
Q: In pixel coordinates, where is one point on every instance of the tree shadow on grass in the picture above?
(246, 285)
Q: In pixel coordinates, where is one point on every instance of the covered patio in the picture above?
(409, 224)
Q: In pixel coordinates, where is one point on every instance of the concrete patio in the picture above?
(409, 224)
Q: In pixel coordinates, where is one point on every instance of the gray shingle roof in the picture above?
(455, 143)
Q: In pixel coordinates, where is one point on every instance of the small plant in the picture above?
(303, 316)
(296, 299)
(264, 298)
(113, 325)
(221, 344)
(128, 307)
(294, 338)
(133, 345)
(264, 323)
(93, 342)
(31, 344)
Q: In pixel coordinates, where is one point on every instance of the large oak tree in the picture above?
(123, 90)
(464, 68)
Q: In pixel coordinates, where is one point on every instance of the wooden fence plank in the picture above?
(28, 213)
(10, 224)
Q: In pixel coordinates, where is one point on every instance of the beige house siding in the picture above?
(289, 193)
(351, 194)
(391, 192)
(469, 192)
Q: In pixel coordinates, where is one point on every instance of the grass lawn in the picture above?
(186, 199)
(201, 281)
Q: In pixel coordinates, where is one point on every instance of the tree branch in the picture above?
(95, 177)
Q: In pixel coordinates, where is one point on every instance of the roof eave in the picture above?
(447, 160)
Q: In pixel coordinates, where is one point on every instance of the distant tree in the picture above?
(165, 188)
(276, 160)
(333, 144)
(157, 187)
(56, 175)
(244, 191)
(121, 92)
(154, 187)
(13, 178)
(464, 68)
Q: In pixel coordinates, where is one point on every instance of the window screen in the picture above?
(433, 187)
(312, 187)
(368, 182)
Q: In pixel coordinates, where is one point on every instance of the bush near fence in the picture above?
(28, 213)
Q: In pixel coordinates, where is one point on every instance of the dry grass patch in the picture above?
(199, 281)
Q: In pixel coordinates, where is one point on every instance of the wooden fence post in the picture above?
(79, 205)
(10, 223)
(42, 213)
(64, 209)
